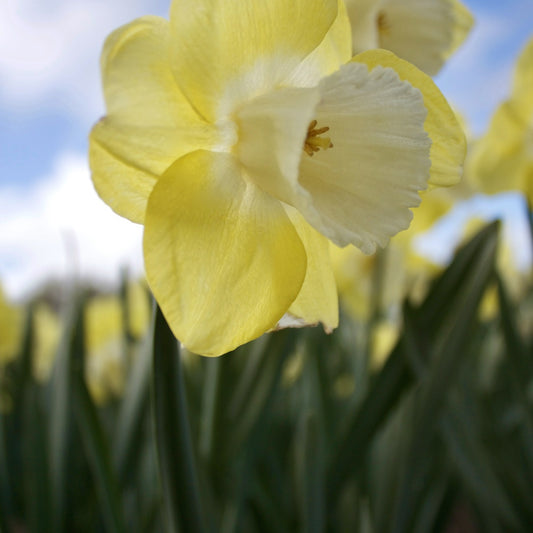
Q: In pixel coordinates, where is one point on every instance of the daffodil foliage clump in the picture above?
(296, 431)
(245, 137)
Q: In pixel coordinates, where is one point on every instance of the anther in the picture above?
(313, 143)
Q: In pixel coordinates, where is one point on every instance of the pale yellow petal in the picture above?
(222, 258)
(384, 336)
(463, 22)
(435, 204)
(523, 80)
(499, 160)
(11, 324)
(47, 333)
(104, 362)
(334, 50)
(139, 308)
(362, 187)
(149, 123)
(448, 148)
(317, 300)
(231, 51)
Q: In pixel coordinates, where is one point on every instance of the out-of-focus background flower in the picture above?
(52, 224)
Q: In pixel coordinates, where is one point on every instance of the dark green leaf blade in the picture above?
(177, 464)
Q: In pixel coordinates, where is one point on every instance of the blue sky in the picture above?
(50, 95)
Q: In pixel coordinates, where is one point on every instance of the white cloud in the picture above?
(50, 50)
(60, 228)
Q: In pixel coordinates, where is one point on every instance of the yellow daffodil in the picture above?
(384, 337)
(502, 159)
(243, 136)
(139, 308)
(47, 332)
(11, 325)
(404, 274)
(424, 32)
(354, 273)
(105, 363)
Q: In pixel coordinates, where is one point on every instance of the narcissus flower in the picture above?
(11, 324)
(424, 32)
(502, 159)
(105, 363)
(47, 333)
(244, 136)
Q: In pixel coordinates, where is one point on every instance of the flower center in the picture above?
(314, 142)
(383, 23)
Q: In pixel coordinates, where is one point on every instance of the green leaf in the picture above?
(133, 411)
(61, 416)
(521, 372)
(15, 477)
(210, 409)
(447, 346)
(474, 470)
(97, 450)
(311, 474)
(177, 464)
(6, 497)
(37, 494)
(441, 306)
(257, 390)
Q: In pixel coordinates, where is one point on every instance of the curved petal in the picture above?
(423, 32)
(227, 52)
(435, 203)
(363, 187)
(222, 258)
(463, 24)
(523, 79)
(334, 50)
(317, 300)
(448, 148)
(499, 160)
(149, 123)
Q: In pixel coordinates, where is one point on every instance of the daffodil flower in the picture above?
(11, 324)
(424, 32)
(47, 334)
(502, 159)
(243, 136)
(105, 364)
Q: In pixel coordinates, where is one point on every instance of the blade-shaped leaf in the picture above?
(397, 375)
(177, 463)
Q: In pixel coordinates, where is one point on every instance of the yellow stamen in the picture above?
(313, 143)
(383, 23)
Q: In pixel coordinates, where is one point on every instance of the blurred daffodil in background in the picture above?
(243, 138)
(502, 160)
(424, 32)
(47, 329)
(108, 357)
(11, 326)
